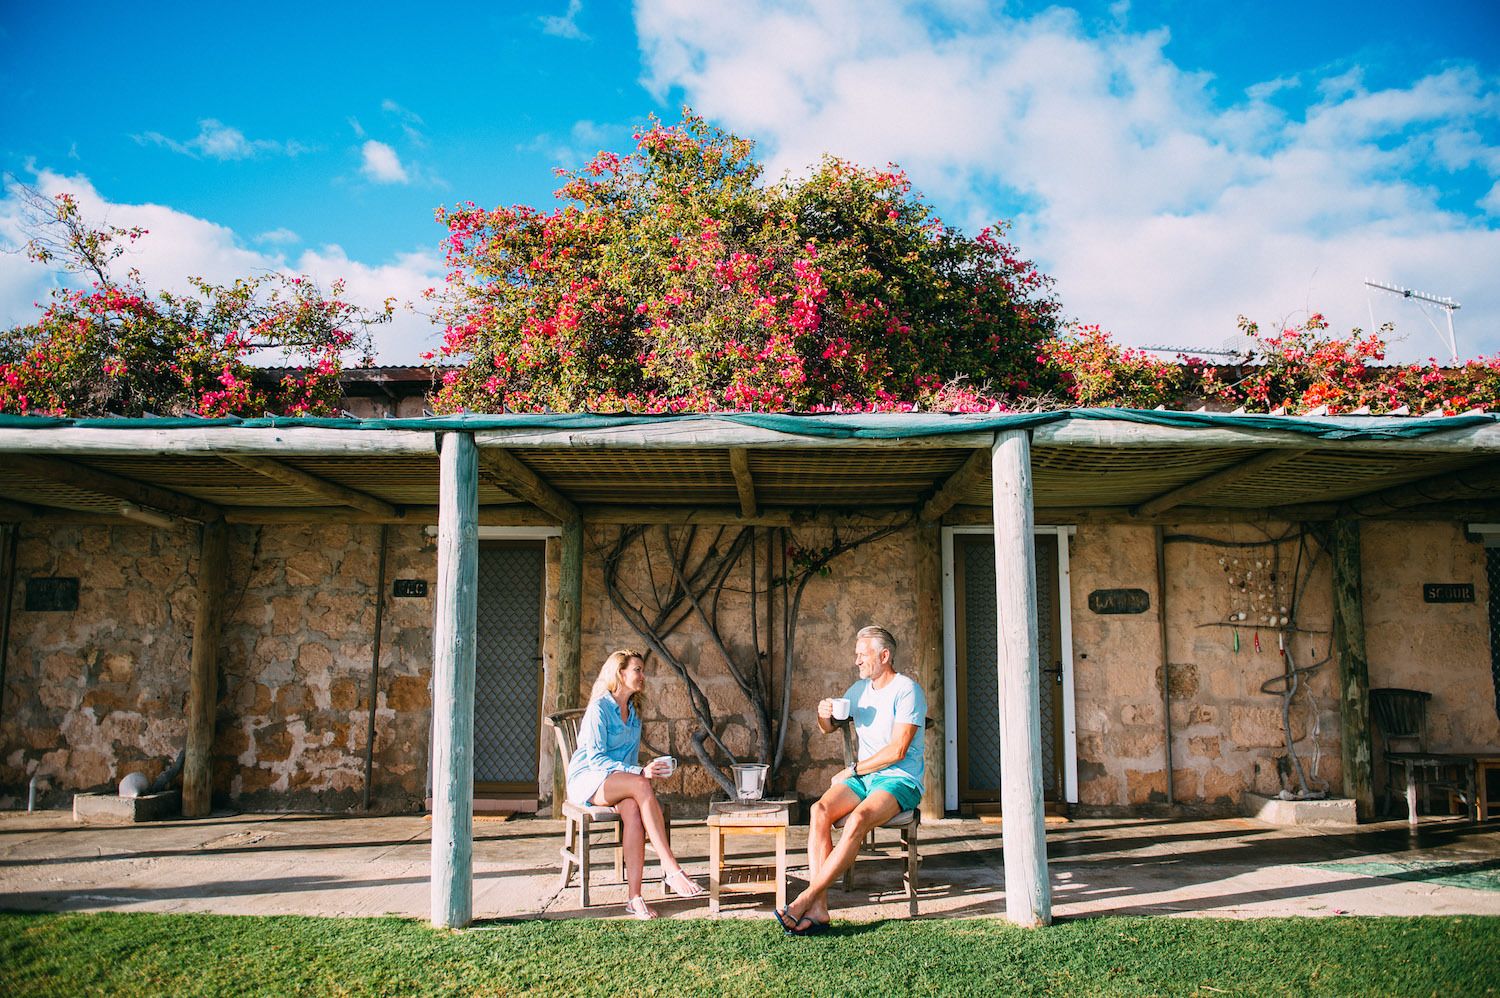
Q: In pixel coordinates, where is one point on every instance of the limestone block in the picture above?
(1184, 679)
(1102, 790)
(1145, 786)
(314, 659)
(1260, 727)
(1136, 742)
(1205, 746)
(273, 743)
(408, 693)
(343, 694)
(110, 809)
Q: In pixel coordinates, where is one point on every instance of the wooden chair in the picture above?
(1401, 716)
(907, 824)
(580, 822)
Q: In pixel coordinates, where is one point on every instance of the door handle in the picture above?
(1056, 671)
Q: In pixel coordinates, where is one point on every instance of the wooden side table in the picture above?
(728, 818)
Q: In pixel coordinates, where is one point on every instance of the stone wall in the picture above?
(870, 585)
(1227, 733)
(98, 693)
(95, 694)
(295, 672)
(1441, 648)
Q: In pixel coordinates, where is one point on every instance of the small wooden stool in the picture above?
(726, 818)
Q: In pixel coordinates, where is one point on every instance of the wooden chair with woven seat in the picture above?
(580, 822)
(906, 823)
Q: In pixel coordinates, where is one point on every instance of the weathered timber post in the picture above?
(1028, 892)
(456, 612)
(569, 635)
(1354, 668)
(928, 660)
(203, 679)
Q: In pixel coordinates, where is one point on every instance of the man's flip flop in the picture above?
(797, 928)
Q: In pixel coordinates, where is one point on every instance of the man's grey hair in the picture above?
(880, 636)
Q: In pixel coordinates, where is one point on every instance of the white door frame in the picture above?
(950, 663)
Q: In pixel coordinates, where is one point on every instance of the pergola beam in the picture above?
(739, 464)
(956, 487)
(515, 515)
(16, 512)
(103, 483)
(1480, 482)
(1211, 483)
(964, 516)
(313, 485)
(517, 478)
(766, 516)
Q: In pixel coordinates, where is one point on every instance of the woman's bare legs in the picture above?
(633, 842)
(637, 789)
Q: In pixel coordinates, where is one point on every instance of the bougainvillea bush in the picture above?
(674, 279)
(112, 347)
(1304, 367)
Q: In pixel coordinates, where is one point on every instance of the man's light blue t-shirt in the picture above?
(876, 713)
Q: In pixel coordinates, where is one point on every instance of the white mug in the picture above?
(841, 708)
(671, 763)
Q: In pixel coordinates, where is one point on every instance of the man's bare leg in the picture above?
(874, 811)
(836, 802)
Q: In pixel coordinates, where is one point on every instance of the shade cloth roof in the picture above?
(1109, 462)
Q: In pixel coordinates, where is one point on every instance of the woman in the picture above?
(604, 773)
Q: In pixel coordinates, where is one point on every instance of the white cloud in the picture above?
(409, 120)
(381, 164)
(565, 26)
(178, 246)
(279, 237)
(1161, 215)
(583, 140)
(216, 140)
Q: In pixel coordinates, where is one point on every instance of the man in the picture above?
(888, 711)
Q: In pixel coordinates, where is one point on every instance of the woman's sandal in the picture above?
(639, 909)
(683, 886)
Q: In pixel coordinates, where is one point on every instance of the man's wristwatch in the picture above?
(854, 769)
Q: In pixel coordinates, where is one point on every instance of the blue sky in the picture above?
(1173, 164)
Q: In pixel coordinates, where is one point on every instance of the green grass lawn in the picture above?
(155, 955)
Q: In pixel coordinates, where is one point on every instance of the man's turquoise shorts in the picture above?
(907, 793)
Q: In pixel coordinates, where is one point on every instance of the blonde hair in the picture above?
(609, 676)
(881, 637)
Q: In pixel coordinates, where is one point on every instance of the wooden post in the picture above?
(569, 626)
(1028, 892)
(456, 611)
(927, 660)
(1354, 668)
(203, 681)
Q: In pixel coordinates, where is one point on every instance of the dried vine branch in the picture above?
(692, 588)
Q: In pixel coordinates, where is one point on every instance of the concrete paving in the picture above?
(340, 865)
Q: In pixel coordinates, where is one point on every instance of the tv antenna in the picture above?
(1448, 305)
